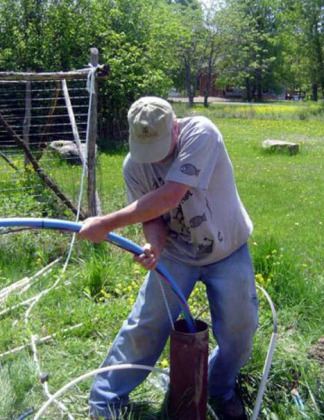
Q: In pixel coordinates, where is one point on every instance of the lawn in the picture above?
(284, 196)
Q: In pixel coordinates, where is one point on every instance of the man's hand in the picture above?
(155, 232)
(94, 229)
(149, 258)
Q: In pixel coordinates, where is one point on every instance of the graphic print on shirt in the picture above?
(182, 229)
(197, 220)
(186, 197)
(208, 207)
(189, 169)
(206, 247)
(182, 233)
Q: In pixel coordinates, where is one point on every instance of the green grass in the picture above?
(265, 111)
(284, 196)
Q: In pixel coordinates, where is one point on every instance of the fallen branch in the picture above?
(40, 340)
(8, 231)
(10, 163)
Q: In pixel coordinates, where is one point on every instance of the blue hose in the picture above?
(115, 239)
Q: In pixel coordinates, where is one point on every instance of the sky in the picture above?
(205, 2)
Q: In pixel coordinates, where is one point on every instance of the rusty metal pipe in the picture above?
(188, 372)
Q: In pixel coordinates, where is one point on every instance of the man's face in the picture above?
(175, 135)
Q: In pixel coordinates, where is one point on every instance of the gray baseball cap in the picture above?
(150, 122)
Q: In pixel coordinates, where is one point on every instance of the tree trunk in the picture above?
(206, 98)
(248, 89)
(320, 60)
(258, 84)
(314, 92)
(209, 79)
(188, 82)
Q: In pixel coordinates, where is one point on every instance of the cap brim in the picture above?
(150, 152)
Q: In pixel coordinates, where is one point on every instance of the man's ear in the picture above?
(175, 129)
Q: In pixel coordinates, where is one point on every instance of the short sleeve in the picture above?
(134, 188)
(199, 144)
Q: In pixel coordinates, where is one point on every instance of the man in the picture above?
(181, 187)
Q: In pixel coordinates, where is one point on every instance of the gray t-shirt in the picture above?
(210, 222)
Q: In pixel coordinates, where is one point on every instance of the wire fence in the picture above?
(38, 113)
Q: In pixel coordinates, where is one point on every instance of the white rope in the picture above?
(91, 80)
(212, 412)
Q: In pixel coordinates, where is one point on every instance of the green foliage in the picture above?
(277, 270)
(302, 42)
(136, 40)
(17, 379)
(249, 47)
(7, 398)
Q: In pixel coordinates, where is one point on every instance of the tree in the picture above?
(193, 4)
(68, 34)
(211, 46)
(137, 40)
(302, 40)
(248, 29)
(312, 23)
(189, 47)
(45, 35)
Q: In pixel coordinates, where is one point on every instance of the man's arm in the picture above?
(151, 206)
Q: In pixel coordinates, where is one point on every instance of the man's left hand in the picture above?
(149, 258)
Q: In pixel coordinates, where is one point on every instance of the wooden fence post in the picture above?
(93, 199)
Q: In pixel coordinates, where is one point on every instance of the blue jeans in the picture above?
(234, 312)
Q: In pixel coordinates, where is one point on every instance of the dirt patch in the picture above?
(317, 351)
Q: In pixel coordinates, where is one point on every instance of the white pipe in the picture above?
(62, 390)
(268, 360)
(265, 373)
